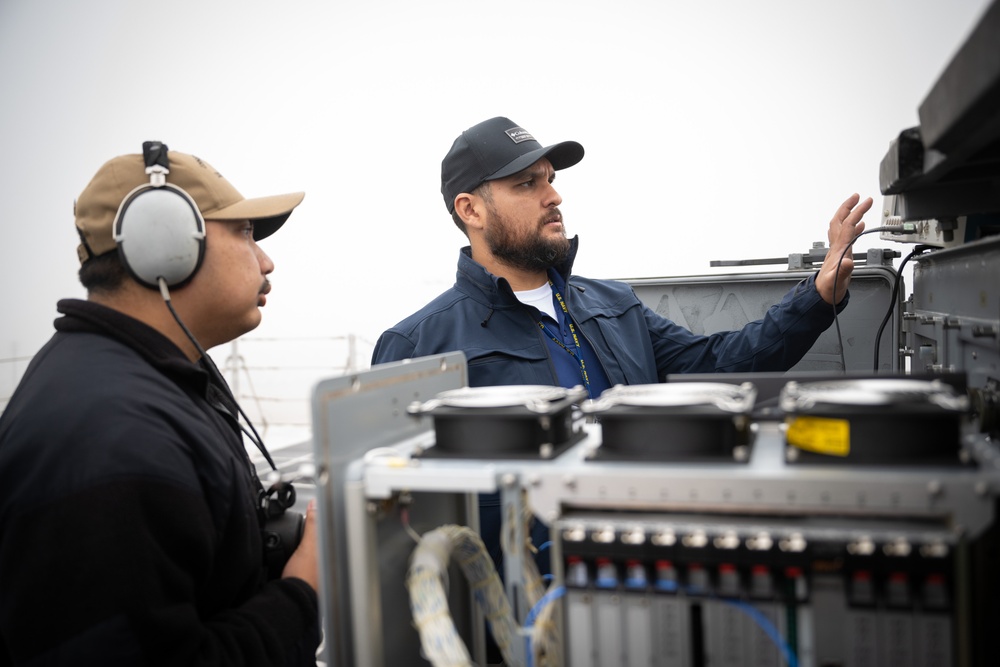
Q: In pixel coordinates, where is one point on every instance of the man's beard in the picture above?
(531, 252)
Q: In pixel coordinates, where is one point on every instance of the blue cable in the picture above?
(762, 621)
(765, 624)
(553, 594)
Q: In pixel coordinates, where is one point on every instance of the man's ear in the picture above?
(470, 208)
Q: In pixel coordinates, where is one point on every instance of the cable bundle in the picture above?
(429, 604)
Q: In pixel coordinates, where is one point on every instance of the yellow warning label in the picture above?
(819, 434)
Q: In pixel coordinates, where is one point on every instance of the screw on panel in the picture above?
(794, 543)
(633, 536)
(936, 549)
(898, 547)
(863, 546)
(728, 540)
(760, 542)
(604, 535)
(695, 540)
(663, 538)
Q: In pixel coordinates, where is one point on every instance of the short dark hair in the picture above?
(104, 273)
(483, 190)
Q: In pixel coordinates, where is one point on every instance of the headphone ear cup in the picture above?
(160, 234)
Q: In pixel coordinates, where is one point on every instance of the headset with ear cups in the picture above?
(160, 234)
(159, 230)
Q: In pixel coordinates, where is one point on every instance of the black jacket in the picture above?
(128, 524)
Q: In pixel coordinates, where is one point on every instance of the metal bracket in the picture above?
(814, 257)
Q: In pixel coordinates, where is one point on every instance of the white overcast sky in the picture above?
(720, 129)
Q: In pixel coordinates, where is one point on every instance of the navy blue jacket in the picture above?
(481, 316)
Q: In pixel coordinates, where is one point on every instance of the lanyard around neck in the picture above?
(576, 353)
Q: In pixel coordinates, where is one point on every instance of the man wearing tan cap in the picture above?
(132, 523)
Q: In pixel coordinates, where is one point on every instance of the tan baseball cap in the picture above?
(96, 207)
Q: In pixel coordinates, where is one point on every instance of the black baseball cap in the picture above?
(493, 149)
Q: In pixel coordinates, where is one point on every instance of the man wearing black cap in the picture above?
(522, 318)
(132, 523)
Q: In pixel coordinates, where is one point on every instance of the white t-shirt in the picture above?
(540, 298)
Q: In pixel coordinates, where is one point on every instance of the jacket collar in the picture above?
(154, 347)
(474, 279)
(160, 352)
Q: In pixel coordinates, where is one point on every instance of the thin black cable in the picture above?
(836, 320)
(214, 370)
(892, 299)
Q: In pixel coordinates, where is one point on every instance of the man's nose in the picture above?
(266, 265)
(552, 197)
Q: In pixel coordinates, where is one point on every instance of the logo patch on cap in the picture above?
(519, 134)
